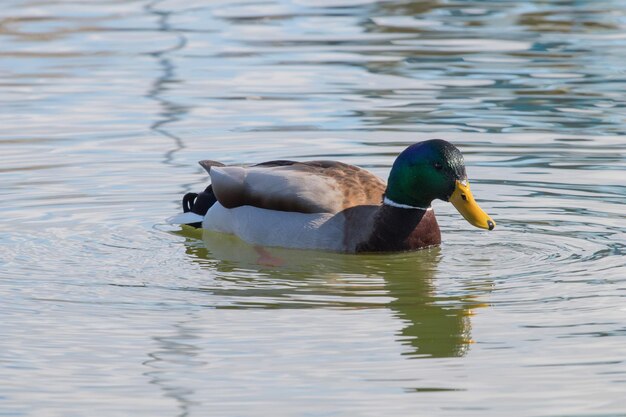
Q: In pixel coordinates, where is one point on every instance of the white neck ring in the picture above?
(390, 202)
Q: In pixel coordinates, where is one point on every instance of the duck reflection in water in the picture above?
(436, 325)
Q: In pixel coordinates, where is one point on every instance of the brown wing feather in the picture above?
(306, 187)
(359, 186)
(207, 164)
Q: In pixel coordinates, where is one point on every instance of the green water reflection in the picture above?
(434, 325)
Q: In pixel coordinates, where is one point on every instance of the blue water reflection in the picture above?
(108, 105)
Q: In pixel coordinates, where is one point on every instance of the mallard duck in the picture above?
(329, 205)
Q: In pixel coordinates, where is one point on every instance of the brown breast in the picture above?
(397, 229)
(426, 233)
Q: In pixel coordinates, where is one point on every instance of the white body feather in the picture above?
(278, 228)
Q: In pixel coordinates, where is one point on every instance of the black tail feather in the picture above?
(188, 201)
(199, 203)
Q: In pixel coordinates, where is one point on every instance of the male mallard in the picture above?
(334, 206)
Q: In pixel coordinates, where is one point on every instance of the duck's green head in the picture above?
(434, 169)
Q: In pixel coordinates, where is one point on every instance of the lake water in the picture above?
(107, 105)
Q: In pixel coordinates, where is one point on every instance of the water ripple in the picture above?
(107, 107)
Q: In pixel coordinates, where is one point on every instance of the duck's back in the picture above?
(308, 205)
(288, 186)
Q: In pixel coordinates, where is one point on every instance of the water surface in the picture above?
(107, 106)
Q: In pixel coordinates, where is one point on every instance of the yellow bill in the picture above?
(463, 200)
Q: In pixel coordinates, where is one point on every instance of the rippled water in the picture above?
(107, 106)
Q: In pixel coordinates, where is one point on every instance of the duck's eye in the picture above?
(438, 166)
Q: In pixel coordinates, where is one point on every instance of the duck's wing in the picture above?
(305, 187)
